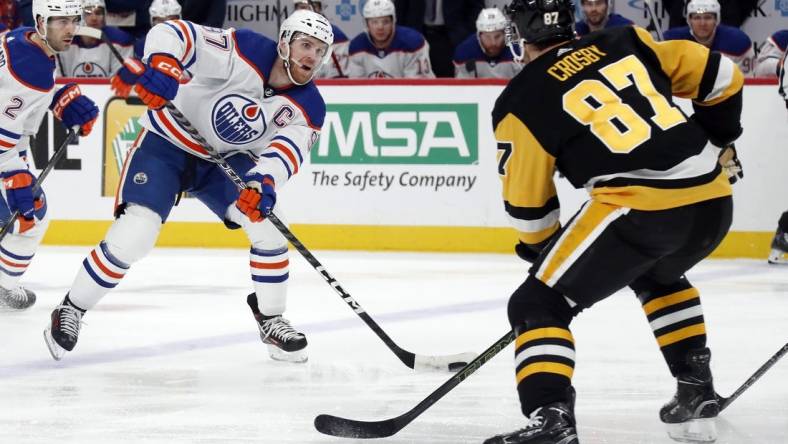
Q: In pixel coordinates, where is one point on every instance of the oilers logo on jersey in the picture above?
(238, 120)
(88, 69)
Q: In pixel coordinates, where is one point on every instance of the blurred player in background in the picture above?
(27, 89)
(597, 17)
(660, 201)
(484, 54)
(254, 101)
(337, 66)
(386, 49)
(771, 54)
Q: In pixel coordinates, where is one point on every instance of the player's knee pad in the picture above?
(534, 303)
(647, 289)
(133, 234)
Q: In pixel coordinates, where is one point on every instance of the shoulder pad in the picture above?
(257, 49)
(311, 103)
(406, 39)
(27, 62)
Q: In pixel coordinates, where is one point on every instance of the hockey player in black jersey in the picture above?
(600, 111)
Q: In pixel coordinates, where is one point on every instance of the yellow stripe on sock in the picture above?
(544, 367)
(671, 299)
(679, 335)
(544, 333)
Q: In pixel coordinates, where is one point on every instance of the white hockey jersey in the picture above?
(470, 62)
(27, 84)
(229, 102)
(408, 55)
(771, 53)
(97, 60)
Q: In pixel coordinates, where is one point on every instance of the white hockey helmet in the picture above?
(379, 8)
(490, 20)
(703, 6)
(90, 4)
(164, 8)
(308, 23)
(56, 8)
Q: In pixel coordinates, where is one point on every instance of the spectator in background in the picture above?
(444, 24)
(90, 57)
(597, 17)
(205, 12)
(337, 66)
(484, 54)
(734, 12)
(703, 17)
(770, 55)
(385, 49)
(9, 15)
(159, 12)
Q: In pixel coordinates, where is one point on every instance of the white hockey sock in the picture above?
(270, 272)
(100, 273)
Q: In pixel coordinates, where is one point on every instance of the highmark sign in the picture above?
(399, 134)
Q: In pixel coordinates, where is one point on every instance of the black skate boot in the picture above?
(16, 298)
(779, 252)
(551, 424)
(62, 334)
(284, 342)
(690, 414)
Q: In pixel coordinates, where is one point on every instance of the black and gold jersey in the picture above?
(600, 110)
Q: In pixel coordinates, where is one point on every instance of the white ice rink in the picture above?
(173, 355)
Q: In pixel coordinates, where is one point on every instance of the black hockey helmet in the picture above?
(536, 21)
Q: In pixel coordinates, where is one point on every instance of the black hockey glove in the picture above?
(731, 164)
(526, 252)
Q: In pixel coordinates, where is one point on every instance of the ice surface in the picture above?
(173, 356)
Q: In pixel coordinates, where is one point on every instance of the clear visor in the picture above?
(309, 45)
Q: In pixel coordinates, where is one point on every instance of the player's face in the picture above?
(60, 31)
(306, 53)
(94, 17)
(703, 24)
(595, 11)
(492, 42)
(380, 29)
(304, 5)
(156, 20)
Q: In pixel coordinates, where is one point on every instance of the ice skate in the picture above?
(779, 252)
(690, 415)
(15, 299)
(551, 424)
(62, 333)
(284, 342)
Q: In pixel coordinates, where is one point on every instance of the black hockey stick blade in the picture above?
(351, 428)
(725, 402)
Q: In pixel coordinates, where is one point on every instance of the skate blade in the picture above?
(694, 430)
(55, 350)
(277, 354)
(778, 257)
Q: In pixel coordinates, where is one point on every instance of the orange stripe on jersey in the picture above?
(6, 144)
(178, 135)
(287, 153)
(269, 266)
(103, 268)
(187, 36)
(13, 264)
(581, 228)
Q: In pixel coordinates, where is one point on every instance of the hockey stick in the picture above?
(350, 428)
(652, 18)
(725, 402)
(70, 137)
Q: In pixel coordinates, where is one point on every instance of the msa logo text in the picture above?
(398, 134)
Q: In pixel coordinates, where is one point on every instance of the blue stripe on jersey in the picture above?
(19, 273)
(271, 279)
(156, 126)
(194, 45)
(177, 31)
(268, 253)
(95, 277)
(291, 144)
(281, 159)
(15, 256)
(10, 134)
(257, 49)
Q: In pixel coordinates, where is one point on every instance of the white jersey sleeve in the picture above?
(203, 51)
(417, 64)
(768, 59)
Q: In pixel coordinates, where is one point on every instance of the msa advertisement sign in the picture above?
(374, 134)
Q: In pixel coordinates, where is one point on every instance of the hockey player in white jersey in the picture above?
(703, 18)
(484, 54)
(336, 67)
(385, 49)
(27, 89)
(254, 101)
(160, 11)
(771, 54)
(90, 57)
